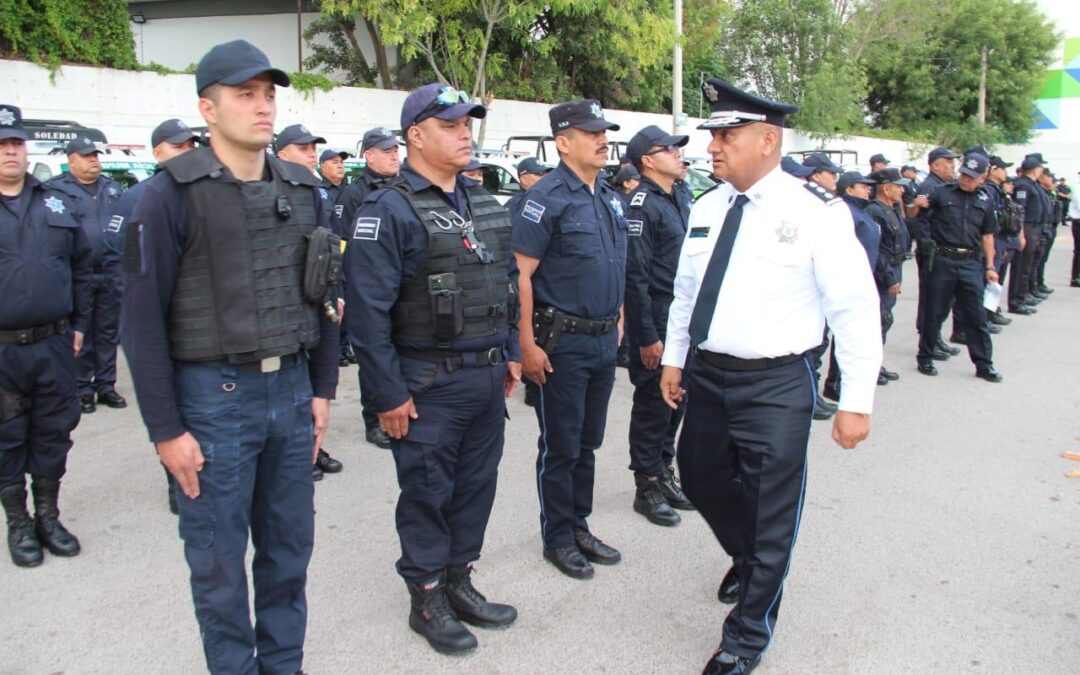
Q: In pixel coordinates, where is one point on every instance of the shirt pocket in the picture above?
(60, 235)
(579, 240)
(785, 254)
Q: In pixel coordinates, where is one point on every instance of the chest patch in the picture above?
(533, 211)
(634, 228)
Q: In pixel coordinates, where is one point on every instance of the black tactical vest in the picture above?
(238, 290)
(484, 287)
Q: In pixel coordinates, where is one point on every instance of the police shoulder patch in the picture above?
(634, 228)
(533, 211)
(366, 228)
(819, 192)
(115, 223)
(639, 199)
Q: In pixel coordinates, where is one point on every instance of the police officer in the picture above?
(626, 181)
(748, 308)
(1028, 196)
(878, 161)
(889, 266)
(1007, 242)
(223, 339)
(1073, 215)
(430, 316)
(379, 146)
(942, 164)
(44, 314)
(657, 218)
(93, 198)
(961, 222)
(681, 188)
(169, 139)
(474, 170)
(529, 171)
(1054, 216)
(569, 242)
(825, 172)
(332, 170)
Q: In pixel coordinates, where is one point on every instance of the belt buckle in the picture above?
(270, 365)
(23, 337)
(494, 356)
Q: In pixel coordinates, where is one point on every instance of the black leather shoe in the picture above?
(432, 617)
(595, 550)
(993, 328)
(998, 318)
(723, 663)
(1044, 289)
(1022, 310)
(650, 502)
(989, 374)
(927, 369)
(823, 410)
(890, 375)
(316, 473)
(327, 463)
(470, 605)
(958, 338)
(728, 592)
(569, 561)
(530, 397)
(882, 380)
(23, 543)
(673, 492)
(50, 531)
(832, 393)
(112, 399)
(822, 402)
(1032, 299)
(951, 351)
(86, 404)
(376, 436)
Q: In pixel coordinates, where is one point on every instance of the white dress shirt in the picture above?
(795, 264)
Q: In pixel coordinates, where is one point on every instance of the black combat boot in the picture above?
(470, 604)
(52, 534)
(649, 501)
(673, 492)
(23, 544)
(433, 618)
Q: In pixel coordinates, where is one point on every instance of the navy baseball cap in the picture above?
(889, 175)
(819, 161)
(939, 153)
(733, 107)
(626, 173)
(172, 131)
(330, 153)
(974, 165)
(439, 101)
(81, 146)
(651, 137)
(533, 165)
(11, 125)
(1030, 162)
(879, 159)
(850, 178)
(582, 113)
(235, 63)
(999, 163)
(296, 134)
(473, 165)
(908, 167)
(379, 138)
(790, 166)
(977, 149)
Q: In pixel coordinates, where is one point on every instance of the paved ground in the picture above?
(946, 543)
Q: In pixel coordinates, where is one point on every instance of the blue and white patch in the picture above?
(112, 192)
(639, 199)
(323, 194)
(983, 197)
(54, 205)
(338, 210)
(366, 228)
(115, 223)
(1021, 195)
(616, 205)
(635, 228)
(533, 211)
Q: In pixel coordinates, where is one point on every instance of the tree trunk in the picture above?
(381, 60)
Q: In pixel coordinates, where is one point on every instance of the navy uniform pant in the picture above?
(1028, 262)
(962, 280)
(742, 458)
(256, 434)
(1049, 235)
(448, 465)
(37, 383)
(653, 424)
(97, 360)
(1075, 272)
(571, 409)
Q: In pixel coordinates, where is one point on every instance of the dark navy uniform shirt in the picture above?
(579, 236)
(892, 246)
(161, 217)
(867, 230)
(385, 251)
(348, 202)
(919, 225)
(656, 226)
(959, 219)
(1028, 195)
(44, 260)
(94, 208)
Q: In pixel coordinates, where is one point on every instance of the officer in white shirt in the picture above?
(787, 264)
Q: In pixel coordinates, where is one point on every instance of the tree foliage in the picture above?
(50, 32)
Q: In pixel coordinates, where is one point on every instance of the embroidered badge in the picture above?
(533, 211)
(338, 210)
(596, 111)
(54, 205)
(323, 194)
(639, 199)
(616, 204)
(635, 228)
(115, 223)
(7, 117)
(366, 228)
(787, 232)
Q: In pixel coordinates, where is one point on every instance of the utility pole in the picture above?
(982, 88)
(299, 38)
(678, 119)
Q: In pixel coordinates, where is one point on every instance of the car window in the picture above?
(498, 180)
(42, 172)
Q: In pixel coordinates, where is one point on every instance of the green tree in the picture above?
(50, 32)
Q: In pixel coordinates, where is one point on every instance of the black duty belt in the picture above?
(456, 360)
(28, 336)
(727, 362)
(957, 252)
(575, 324)
(268, 365)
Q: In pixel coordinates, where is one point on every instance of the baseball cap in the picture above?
(999, 163)
(11, 125)
(532, 165)
(439, 101)
(583, 113)
(235, 63)
(473, 165)
(1030, 162)
(379, 138)
(626, 173)
(819, 161)
(81, 146)
(879, 159)
(172, 131)
(650, 137)
(974, 165)
(889, 174)
(849, 178)
(330, 153)
(939, 153)
(296, 134)
(790, 166)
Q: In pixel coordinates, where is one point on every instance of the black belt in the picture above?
(957, 252)
(267, 365)
(457, 360)
(576, 324)
(727, 362)
(28, 336)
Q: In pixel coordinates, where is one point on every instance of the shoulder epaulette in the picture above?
(821, 193)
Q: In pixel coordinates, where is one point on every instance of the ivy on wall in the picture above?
(51, 32)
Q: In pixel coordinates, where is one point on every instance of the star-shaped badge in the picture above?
(54, 205)
(710, 92)
(787, 233)
(7, 118)
(616, 204)
(596, 111)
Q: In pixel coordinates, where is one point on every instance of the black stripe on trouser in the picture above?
(742, 458)
(963, 281)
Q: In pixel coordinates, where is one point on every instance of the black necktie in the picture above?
(701, 318)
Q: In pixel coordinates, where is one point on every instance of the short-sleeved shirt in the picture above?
(959, 219)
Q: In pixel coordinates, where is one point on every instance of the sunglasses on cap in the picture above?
(448, 97)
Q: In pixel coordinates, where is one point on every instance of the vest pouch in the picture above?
(447, 307)
(322, 267)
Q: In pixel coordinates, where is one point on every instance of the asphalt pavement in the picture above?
(946, 543)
